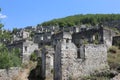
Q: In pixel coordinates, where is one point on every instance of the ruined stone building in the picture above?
(43, 38)
(21, 34)
(41, 29)
(67, 53)
(77, 54)
(26, 48)
(48, 62)
(71, 62)
(98, 35)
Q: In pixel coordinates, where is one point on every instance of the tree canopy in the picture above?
(91, 19)
(7, 58)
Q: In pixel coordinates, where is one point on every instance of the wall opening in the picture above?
(67, 40)
(25, 48)
(78, 54)
(41, 44)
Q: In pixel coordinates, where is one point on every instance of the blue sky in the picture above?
(22, 13)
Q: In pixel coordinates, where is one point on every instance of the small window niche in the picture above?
(78, 54)
(25, 48)
(67, 40)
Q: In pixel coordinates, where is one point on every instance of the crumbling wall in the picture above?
(88, 36)
(9, 74)
(25, 34)
(108, 37)
(57, 62)
(69, 66)
(47, 62)
(95, 58)
(28, 48)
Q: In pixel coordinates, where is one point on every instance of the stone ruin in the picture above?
(71, 62)
(25, 47)
(72, 58)
(70, 53)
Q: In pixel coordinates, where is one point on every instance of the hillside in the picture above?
(88, 19)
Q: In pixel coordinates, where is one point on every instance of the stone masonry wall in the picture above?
(10, 74)
(57, 62)
(95, 58)
(108, 37)
(47, 62)
(69, 66)
(28, 48)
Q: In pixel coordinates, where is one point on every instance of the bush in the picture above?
(114, 59)
(95, 41)
(112, 49)
(104, 75)
(8, 59)
(85, 42)
(33, 57)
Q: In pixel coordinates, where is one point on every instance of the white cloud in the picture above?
(2, 16)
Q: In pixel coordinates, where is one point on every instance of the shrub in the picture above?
(52, 71)
(33, 57)
(114, 60)
(95, 41)
(104, 75)
(8, 59)
(112, 49)
(85, 42)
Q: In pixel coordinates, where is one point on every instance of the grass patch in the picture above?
(114, 59)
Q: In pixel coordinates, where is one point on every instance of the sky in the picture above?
(22, 13)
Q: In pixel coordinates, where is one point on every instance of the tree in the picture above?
(9, 58)
(33, 57)
(14, 30)
(91, 19)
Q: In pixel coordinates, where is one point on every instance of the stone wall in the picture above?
(43, 38)
(108, 37)
(25, 34)
(28, 48)
(8, 74)
(69, 66)
(89, 36)
(59, 37)
(47, 62)
(57, 63)
(38, 37)
(95, 58)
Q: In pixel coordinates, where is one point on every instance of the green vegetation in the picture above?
(113, 62)
(104, 75)
(112, 49)
(95, 78)
(117, 43)
(9, 58)
(88, 19)
(114, 58)
(85, 41)
(4, 35)
(33, 57)
(14, 30)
